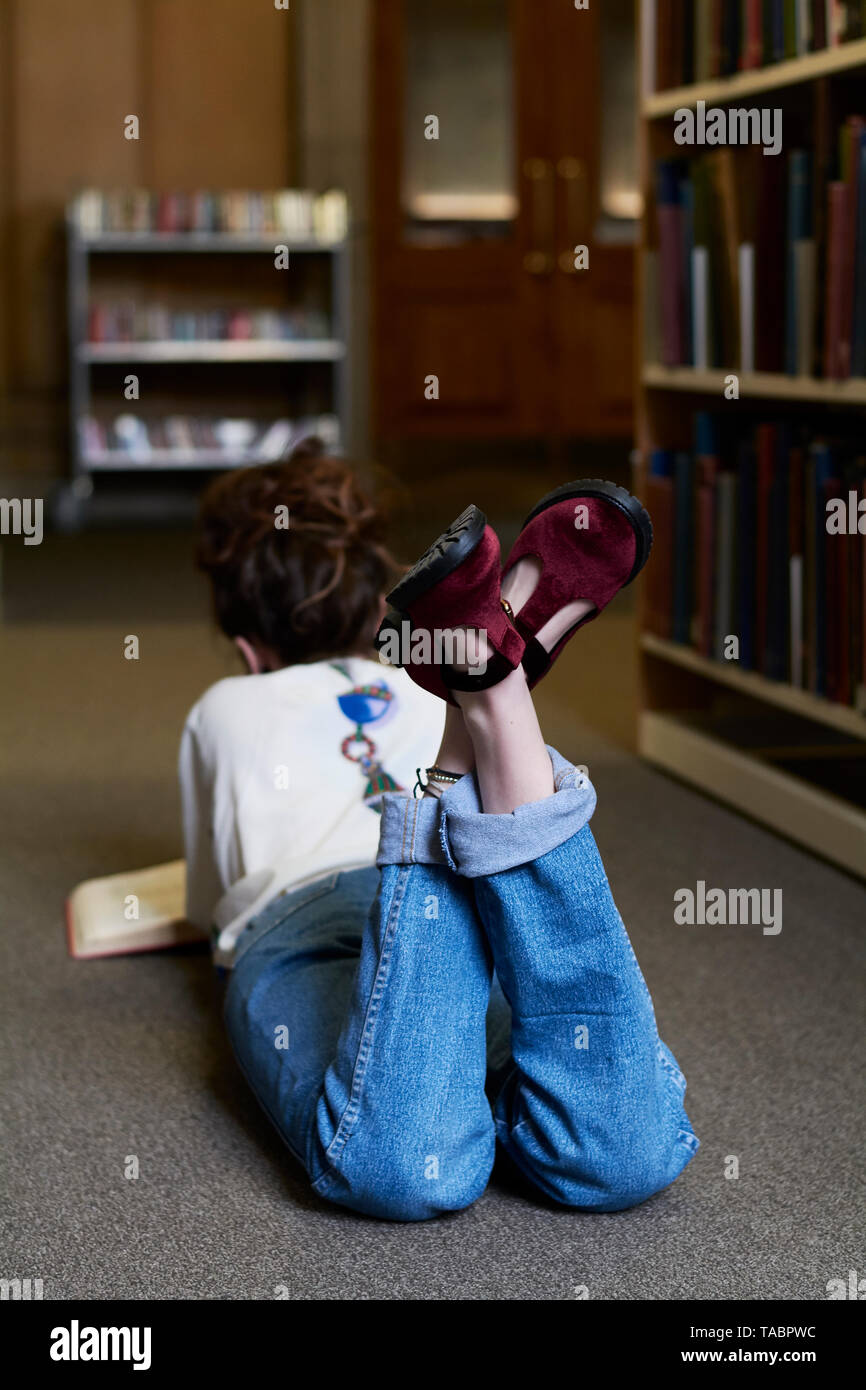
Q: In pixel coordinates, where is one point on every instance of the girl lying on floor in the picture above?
(412, 979)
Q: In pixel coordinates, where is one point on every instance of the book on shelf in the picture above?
(758, 266)
(240, 441)
(129, 321)
(298, 214)
(746, 547)
(687, 41)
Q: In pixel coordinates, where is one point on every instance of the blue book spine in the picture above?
(661, 463)
(799, 227)
(668, 179)
(706, 434)
(858, 352)
(747, 543)
(684, 531)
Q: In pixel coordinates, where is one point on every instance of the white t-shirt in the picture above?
(268, 799)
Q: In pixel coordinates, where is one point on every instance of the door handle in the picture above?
(573, 174)
(539, 260)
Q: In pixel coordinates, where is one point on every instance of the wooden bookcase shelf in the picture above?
(770, 386)
(758, 687)
(697, 714)
(724, 90)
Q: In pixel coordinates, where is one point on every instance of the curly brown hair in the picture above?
(308, 592)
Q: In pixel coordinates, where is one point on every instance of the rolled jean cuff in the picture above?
(476, 845)
(410, 830)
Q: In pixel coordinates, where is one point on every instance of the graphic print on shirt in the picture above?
(366, 704)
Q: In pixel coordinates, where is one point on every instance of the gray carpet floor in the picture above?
(106, 1059)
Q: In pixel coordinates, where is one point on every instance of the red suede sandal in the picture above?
(592, 539)
(455, 584)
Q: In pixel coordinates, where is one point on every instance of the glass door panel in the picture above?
(458, 179)
(620, 203)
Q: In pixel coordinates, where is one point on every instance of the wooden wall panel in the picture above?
(333, 95)
(213, 84)
(218, 94)
(74, 78)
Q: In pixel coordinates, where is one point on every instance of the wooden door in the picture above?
(492, 314)
(592, 308)
(452, 299)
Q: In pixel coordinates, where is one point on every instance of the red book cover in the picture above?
(766, 460)
(660, 577)
(837, 348)
(166, 216)
(835, 22)
(752, 38)
(96, 324)
(708, 467)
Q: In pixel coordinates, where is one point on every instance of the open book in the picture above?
(142, 910)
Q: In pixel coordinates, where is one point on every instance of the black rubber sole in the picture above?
(440, 559)
(618, 497)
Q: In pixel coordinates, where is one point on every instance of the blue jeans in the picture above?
(361, 1012)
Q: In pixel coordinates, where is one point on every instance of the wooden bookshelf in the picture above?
(793, 72)
(768, 386)
(698, 715)
(788, 697)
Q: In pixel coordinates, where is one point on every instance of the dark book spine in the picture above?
(746, 547)
(688, 42)
(660, 500)
(776, 660)
(708, 465)
(669, 214)
(799, 229)
(837, 346)
(684, 511)
(730, 55)
(778, 26)
(858, 345)
(766, 448)
(819, 24)
(717, 24)
(769, 284)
